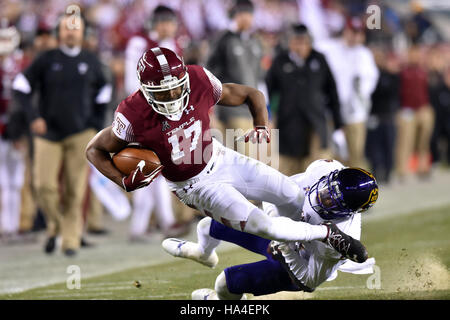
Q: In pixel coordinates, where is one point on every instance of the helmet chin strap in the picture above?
(174, 117)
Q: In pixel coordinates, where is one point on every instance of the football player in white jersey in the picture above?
(333, 192)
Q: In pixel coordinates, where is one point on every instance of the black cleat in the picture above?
(98, 232)
(70, 252)
(85, 244)
(50, 245)
(349, 247)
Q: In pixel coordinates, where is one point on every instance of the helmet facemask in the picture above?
(326, 199)
(160, 97)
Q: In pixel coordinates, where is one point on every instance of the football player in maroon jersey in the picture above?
(164, 26)
(169, 115)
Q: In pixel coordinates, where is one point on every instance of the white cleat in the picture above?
(204, 294)
(187, 249)
(208, 294)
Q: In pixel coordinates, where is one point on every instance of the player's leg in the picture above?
(15, 165)
(202, 251)
(258, 278)
(245, 240)
(143, 204)
(425, 118)
(209, 235)
(75, 172)
(228, 206)
(3, 183)
(110, 195)
(5, 217)
(47, 163)
(258, 181)
(164, 210)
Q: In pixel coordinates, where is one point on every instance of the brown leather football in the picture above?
(127, 160)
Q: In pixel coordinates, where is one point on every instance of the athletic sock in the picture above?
(207, 244)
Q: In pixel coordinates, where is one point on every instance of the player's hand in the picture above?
(257, 135)
(137, 179)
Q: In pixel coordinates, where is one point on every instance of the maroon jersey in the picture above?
(183, 146)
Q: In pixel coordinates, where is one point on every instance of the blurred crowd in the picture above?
(340, 82)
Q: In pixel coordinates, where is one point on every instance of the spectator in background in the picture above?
(440, 100)
(44, 40)
(236, 57)
(356, 76)
(307, 93)
(31, 216)
(73, 93)
(162, 33)
(12, 153)
(157, 196)
(381, 128)
(437, 65)
(416, 117)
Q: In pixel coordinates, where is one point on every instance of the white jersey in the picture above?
(347, 64)
(313, 262)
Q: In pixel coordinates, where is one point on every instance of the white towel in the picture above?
(355, 268)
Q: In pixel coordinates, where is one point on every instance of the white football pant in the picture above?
(156, 197)
(12, 171)
(223, 188)
(109, 194)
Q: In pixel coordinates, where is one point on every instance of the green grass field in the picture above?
(412, 252)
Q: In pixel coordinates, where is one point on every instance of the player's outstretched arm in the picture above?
(236, 94)
(98, 153)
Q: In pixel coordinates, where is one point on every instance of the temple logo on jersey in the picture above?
(119, 126)
(181, 126)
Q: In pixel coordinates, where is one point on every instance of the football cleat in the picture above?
(204, 294)
(208, 294)
(349, 247)
(190, 250)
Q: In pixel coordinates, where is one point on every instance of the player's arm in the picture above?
(235, 95)
(98, 153)
(23, 87)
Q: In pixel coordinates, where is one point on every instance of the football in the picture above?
(127, 160)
